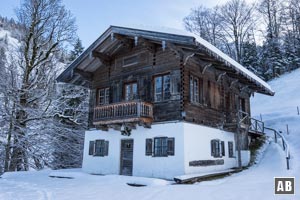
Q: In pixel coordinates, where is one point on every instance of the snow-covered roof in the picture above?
(177, 37)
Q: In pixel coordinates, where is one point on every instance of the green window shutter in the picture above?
(213, 148)
(223, 148)
(148, 147)
(230, 149)
(91, 148)
(106, 147)
(171, 146)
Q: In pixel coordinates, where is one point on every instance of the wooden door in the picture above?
(126, 157)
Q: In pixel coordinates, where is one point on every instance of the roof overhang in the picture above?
(80, 71)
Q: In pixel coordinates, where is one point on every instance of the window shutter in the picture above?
(91, 148)
(212, 146)
(148, 147)
(171, 146)
(106, 146)
(230, 149)
(223, 148)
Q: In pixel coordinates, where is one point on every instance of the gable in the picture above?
(116, 41)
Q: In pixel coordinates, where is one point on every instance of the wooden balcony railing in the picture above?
(257, 126)
(129, 111)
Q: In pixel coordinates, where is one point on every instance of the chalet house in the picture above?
(163, 104)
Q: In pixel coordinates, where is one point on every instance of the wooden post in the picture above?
(283, 144)
(238, 132)
(298, 110)
(287, 129)
(275, 135)
(287, 163)
(260, 117)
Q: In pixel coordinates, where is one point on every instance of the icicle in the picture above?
(136, 38)
(112, 36)
(163, 44)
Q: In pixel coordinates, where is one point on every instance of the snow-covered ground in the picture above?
(255, 183)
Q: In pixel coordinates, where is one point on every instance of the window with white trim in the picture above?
(131, 92)
(162, 88)
(103, 96)
(196, 92)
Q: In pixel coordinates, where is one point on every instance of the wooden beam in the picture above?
(178, 51)
(206, 67)
(104, 58)
(85, 75)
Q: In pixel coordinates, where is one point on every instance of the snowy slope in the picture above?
(280, 111)
(254, 183)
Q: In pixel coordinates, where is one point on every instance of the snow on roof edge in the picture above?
(250, 75)
(234, 63)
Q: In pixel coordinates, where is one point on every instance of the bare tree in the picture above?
(205, 22)
(47, 25)
(237, 21)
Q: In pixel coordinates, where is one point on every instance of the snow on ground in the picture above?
(255, 183)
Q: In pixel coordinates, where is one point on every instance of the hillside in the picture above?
(255, 183)
(281, 110)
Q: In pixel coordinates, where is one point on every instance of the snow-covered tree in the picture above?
(250, 58)
(78, 49)
(46, 26)
(206, 23)
(70, 111)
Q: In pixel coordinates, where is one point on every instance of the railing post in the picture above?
(256, 129)
(138, 109)
(283, 144)
(275, 135)
(287, 163)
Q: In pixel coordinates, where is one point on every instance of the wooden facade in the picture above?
(141, 77)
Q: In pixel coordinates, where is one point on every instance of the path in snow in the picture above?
(254, 183)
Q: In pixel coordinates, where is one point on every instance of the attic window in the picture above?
(131, 60)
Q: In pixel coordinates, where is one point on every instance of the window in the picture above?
(195, 90)
(131, 92)
(230, 150)
(162, 146)
(131, 60)
(162, 88)
(217, 148)
(98, 148)
(242, 104)
(103, 96)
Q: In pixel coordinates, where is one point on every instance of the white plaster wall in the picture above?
(197, 147)
(148, 166)
(245, 155)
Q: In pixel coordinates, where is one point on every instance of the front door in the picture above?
(126, 157)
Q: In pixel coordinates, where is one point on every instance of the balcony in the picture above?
(124, 112)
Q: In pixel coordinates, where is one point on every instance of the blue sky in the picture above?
(94, 16)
